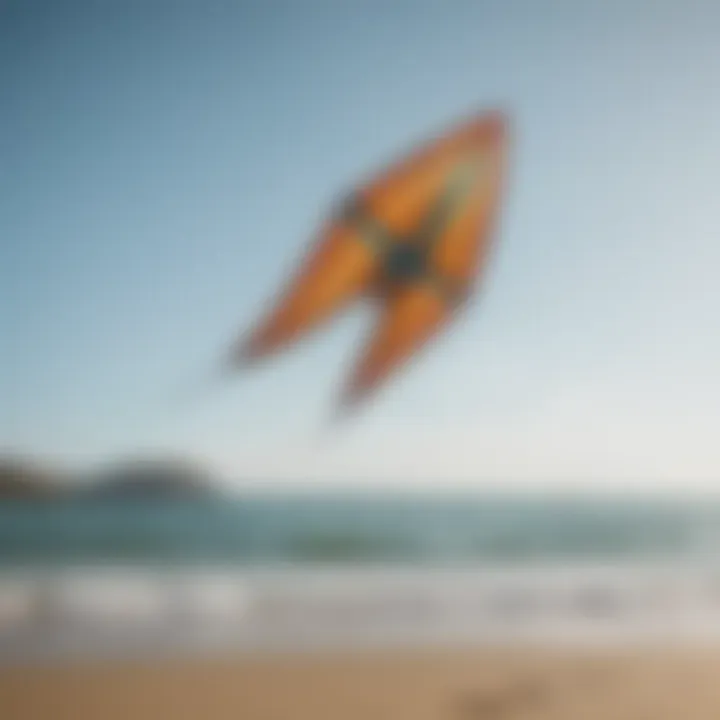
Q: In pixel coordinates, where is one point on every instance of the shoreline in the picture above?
(110, 613)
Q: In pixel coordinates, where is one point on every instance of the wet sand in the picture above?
(508, 685)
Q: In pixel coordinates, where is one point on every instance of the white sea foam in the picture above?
(101, 611)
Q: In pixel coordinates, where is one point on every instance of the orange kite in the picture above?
(416, 237)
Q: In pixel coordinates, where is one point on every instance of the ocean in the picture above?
(258, 573)
(359, 528)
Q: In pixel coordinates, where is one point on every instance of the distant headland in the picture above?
(145, 478)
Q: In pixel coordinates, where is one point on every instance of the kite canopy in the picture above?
(417, 236)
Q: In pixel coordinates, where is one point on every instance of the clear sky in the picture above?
(163, 165)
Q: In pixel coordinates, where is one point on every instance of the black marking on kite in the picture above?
(406, 256)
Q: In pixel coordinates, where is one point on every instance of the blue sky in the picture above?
(163, 166)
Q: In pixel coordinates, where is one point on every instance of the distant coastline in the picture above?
(26, 480)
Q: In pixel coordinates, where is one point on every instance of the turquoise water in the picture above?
(355, 529)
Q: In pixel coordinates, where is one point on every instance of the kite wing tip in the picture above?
(494, 124)
(242, 355)
(347, 406)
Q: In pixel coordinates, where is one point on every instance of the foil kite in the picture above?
(415, 237)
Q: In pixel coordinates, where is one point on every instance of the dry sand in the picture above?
(507, 685)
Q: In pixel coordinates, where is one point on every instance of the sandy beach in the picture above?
(508, 684)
